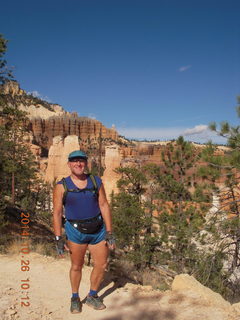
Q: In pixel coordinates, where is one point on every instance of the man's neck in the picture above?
(82, 176)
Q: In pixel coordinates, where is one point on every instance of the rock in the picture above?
(49, 124)
(235, 312)
(113, 159)
(236, 307)
(38, 112)
(11, 87)
(48, 120)
(57, 167)
(186, 283)
(11, 312)
(147, 288)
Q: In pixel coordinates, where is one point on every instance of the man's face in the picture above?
(77, 166)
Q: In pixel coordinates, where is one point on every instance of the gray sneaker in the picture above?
(76, 305)
(95, 302)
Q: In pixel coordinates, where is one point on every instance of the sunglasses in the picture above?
(77, 159)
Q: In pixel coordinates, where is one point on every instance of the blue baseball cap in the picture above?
(77, 154)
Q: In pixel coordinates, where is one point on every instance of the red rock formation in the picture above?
(57, 167)
(44, 130)
(50, 120)
(112, 161)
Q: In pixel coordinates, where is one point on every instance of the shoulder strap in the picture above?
(92, 177)
(65, 190)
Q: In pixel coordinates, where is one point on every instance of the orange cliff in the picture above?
(47, 120)
(44, 130)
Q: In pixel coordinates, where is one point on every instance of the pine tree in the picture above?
(14, 152)
(5, 72)
(228, 215)
(180, 211)
(19, 183)
(132, 222)
(159, 213)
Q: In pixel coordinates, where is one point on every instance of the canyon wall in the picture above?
(48, 120)
(44, 130)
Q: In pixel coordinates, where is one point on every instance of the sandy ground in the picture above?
(49, 296)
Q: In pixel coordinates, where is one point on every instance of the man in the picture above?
(88, 226)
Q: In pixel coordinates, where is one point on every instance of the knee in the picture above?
(76, 267)
(101, 265)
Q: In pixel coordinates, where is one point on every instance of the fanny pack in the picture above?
(92, 225)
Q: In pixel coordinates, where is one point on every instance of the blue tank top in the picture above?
(84, 204)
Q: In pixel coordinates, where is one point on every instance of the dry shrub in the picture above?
(122, 269)
(43, 248)
(5, 241)
(154, 279)
(15, 246)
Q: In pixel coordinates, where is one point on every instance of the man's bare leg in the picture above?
(99, 253)
(77, 253)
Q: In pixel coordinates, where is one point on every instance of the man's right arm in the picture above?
(57, 209)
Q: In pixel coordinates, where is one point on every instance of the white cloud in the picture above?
(184, 68)
(91, 116)
(196, 130)
(199, 133)
(151, 133)
(47, 99)
(36, 94)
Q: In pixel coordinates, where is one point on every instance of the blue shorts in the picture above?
(76, 236)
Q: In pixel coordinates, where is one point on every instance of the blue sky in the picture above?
(154, 69)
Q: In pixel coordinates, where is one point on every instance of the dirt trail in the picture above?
(49, 296)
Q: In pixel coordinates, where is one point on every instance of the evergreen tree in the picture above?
(19, 183)
(228, 214)
(186, 188)
(160, 214)
(180, 211)
(14, 153)
(5, 72)
(132, 222)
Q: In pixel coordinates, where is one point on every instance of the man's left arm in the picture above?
(106, 212)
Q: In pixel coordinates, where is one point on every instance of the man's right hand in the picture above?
(60, 245)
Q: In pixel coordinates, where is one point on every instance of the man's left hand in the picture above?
(110, 240)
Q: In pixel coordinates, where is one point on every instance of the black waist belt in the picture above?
(91, 225)
(85, 220)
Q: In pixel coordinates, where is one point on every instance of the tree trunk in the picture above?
(13, 188)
